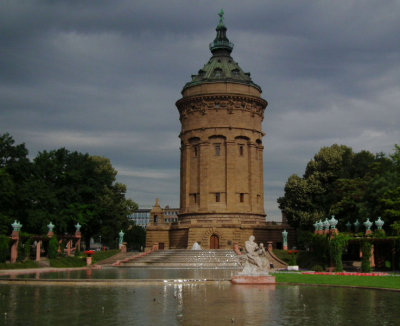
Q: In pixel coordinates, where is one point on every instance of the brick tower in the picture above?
(221, 112)
(222, 188)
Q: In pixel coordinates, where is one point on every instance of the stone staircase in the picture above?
(182, 258)
(113, 259)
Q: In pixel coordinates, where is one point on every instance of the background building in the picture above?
(141, 216)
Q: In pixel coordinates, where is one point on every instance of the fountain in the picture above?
(255, 265)
(196, 246)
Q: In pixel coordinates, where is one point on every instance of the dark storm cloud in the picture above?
(102, 77)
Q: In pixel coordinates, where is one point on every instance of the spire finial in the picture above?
(221, 42)
(221, 16)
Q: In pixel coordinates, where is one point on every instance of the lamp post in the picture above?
(316, 227)
(367, 225)
(356, 226)
(320, 227)
(379, 223)
(333, 222)
(348, 226)
(50, 228)
(326, 226)
(15, 238)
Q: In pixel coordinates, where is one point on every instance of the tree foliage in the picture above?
(349, 185)
(62, 187)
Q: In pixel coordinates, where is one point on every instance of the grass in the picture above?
(387, 282)
(20, 265)
(79, 261)
(68, 262)
(101, 255)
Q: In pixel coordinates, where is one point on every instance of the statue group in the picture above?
(255, 262)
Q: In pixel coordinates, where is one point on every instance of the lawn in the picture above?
(20, 265)
(388, 282)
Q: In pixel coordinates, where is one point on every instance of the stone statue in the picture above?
(121, 238)
(255, 262)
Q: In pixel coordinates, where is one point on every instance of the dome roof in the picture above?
(221, 67)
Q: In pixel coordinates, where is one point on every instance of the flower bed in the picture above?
(346, 273)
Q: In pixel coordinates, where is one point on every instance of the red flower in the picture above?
(89, 252)
(289, 251)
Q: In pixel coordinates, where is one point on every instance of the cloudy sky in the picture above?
(103, 76)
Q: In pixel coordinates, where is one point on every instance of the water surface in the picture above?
(136, 273)
(196, 304)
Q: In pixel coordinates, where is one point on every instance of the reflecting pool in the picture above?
(219, 303)
(136, 273)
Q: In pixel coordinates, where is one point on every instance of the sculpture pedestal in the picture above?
(253, 279)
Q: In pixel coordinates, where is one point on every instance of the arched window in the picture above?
(218, 73)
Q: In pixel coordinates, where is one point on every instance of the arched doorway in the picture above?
(214, 242)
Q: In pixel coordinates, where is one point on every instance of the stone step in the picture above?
(187, 258)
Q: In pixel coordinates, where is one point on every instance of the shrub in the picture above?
(320, 248)
(24, 249)
(27, 248)
(366, 254)
(336, 245)
(4, 248)
(53, 247)
(305, 239)
(292, 260)
(317, 268)
(380, 234)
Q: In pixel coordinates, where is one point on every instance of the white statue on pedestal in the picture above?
(255, 261)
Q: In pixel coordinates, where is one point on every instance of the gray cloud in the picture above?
(103, 78)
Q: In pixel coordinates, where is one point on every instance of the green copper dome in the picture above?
(221, 67)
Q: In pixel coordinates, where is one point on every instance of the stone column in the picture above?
(203, 165)
(185, 178)
(69, 248)
(253, 176)
(59, 247)
(230, 174)
(261, 178)
(78, 237)
(372, 257)
(38, 248)
(14, 246)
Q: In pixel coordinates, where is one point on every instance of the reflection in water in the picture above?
(196, 304)
(136, 273)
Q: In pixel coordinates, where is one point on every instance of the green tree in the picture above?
(310, 198)
(349, 185)
(15, 173)
(135, 236)
(62, 187)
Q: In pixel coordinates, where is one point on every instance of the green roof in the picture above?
(221, 67)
